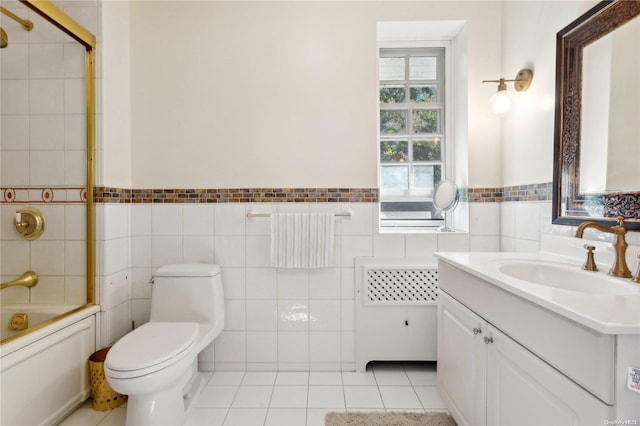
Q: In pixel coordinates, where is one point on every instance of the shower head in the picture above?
(24, 23)
(4, 39)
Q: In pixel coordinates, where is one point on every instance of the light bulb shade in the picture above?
(500, 102)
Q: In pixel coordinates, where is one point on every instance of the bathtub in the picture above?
(44, 373)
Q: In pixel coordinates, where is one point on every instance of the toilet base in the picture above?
(156, 409)
(165, 408)
(193, 389)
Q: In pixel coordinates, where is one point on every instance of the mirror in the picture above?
(597, 131)
(445, 199)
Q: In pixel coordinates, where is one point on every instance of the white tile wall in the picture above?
(57, 256)
(42, 109)
(117, 281)
(521, 225)
(276, 319)
(280, 319)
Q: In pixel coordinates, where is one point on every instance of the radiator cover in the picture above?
(394, 286)
(395, 311)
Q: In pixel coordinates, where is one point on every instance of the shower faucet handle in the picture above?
(29, 223)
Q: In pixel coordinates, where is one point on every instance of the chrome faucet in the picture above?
(619, 268)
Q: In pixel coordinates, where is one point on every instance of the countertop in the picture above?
(604, 313)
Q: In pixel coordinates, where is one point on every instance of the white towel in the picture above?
(302, 240)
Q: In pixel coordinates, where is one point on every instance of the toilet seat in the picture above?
(150, 347)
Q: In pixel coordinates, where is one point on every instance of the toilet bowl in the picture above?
(156, 364)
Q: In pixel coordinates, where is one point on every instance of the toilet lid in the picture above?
(151, 344)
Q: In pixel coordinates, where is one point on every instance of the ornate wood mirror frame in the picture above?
(570, 205)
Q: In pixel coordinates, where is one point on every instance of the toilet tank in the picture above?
(187, 292)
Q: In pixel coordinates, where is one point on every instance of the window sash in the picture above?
(411, 195)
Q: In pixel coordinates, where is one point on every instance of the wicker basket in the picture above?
(104, 398)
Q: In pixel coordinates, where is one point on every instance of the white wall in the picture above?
(282, 94)
(113, 137)
(529, 41)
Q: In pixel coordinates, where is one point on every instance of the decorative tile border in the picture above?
(483, 195)
(40, 195)
(232, 195)
(532, 192)
(43, 195)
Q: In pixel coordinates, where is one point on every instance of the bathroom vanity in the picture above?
(531, 339)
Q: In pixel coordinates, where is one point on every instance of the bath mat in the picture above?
(432, 418)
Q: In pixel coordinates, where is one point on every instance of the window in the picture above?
(411, 135)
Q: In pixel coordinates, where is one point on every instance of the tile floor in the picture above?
(296, 398)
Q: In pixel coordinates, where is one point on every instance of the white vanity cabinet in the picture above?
(488, 376)
(462, 361)
(524, 390)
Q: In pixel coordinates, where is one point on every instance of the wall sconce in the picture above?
(501, 101)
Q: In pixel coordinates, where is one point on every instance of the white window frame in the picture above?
(420, 219)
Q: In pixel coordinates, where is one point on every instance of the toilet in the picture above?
(156, 364)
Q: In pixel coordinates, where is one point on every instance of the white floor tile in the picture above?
(259, 378)
(391, 377)
(286, 417)
(422, 378)
(84, 416)
(366, 410)
(206, 417)
(292, 378)
(206, 375)
(252, 397)
(315, 416)
(245, 417)
(362, 397)
(422, 374)
(325, 378)
(325, 396)
(116, 417)
(226, 378)
(399, 397)
(350, 378)
(216, 397)
(298, 398)
(289, 397)
(429, 397)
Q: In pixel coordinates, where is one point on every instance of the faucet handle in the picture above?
(590, 264)
(636, 277)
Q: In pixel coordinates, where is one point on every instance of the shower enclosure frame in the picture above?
(69, 26)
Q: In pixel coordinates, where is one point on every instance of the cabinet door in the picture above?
(524, 390)
(461, 361)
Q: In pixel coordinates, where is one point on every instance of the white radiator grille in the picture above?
(401, 286)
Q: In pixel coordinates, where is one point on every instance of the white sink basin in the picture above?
(565, 277)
